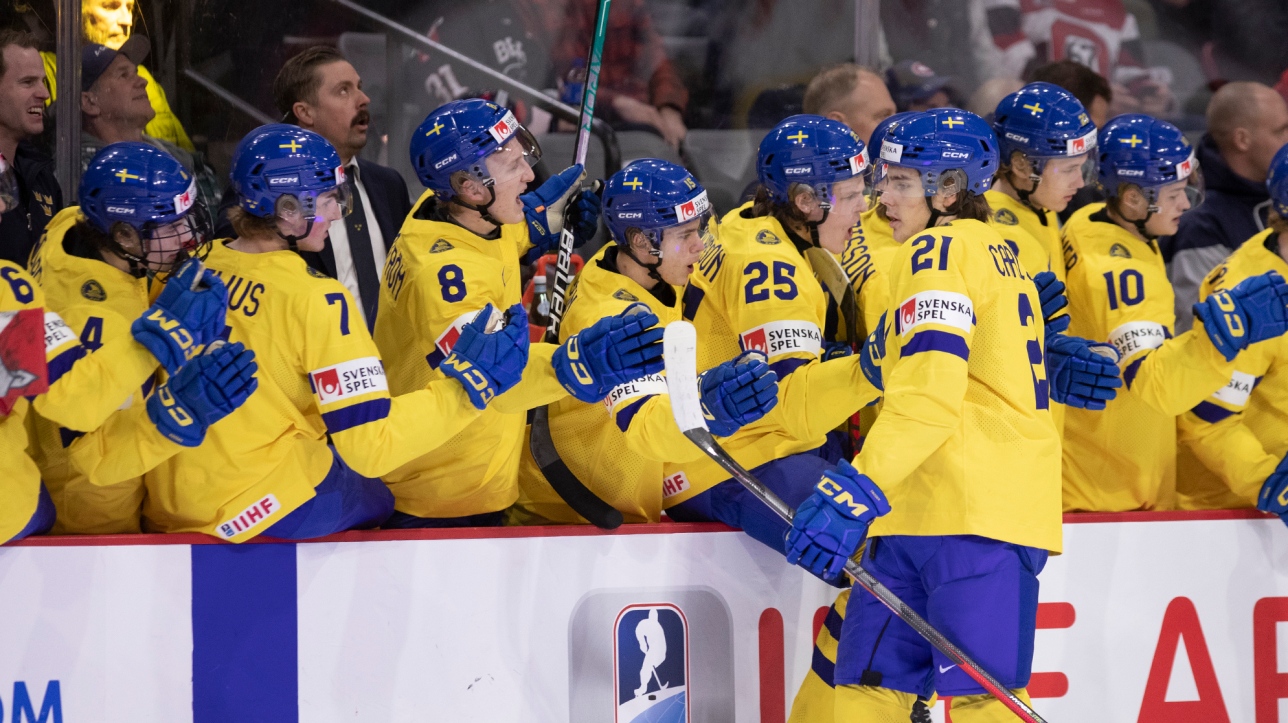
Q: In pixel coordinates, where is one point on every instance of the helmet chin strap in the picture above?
(292, 242)
(813, 225)
(1024, 195)
(483, 209)
(652, 269)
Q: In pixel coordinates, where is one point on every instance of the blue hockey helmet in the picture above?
(280, 167)
(810, 150)
(878, 137)
(459, 136)
(1044, 121)
(1277, 182)
(146, 189)
(651, 195)
(1141, 151)
(953, 150)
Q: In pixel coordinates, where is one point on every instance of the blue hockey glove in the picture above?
(1254, 310)
(612, 351)
(737, 392)
(183, 320)
(1274, 493)
(836, 350)
(1082, 373)
(489, 364)
(1051, 296)
(544, 209)
(873, 354)
(830, 525)
(203, 392)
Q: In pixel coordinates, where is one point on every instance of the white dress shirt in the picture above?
(344, 271)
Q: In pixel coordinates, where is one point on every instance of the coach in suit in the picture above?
(319, 90)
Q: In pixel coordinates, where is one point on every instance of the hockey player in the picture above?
(459, 252)
(1047, 144)
(755, 290)
(117, 327)
(965, 451)
(660, 220)
(1238, 434)
(270, 469)
(1125, 458)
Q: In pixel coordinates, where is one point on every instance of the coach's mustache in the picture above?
(362, 118)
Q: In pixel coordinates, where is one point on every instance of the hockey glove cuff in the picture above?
(612, 351)
(489, 364)
(545, 208)
(205, 391)
(737, 392)
(1254, 310)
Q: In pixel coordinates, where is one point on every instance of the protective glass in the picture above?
(680, 236)
(1088, 169)
(1195, 187)
(318, 207)
(158, 248)
(502, 167)
(8, 186)
(901, 182)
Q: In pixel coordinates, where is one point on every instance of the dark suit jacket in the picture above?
(389, 204)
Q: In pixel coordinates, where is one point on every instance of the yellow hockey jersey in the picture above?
(965, 444)
(1238, 435)
(98, 302)
(616, 447)
(754, 290)
(1124, 457)
(866, 261)
(1044, 228)
(437, 278)
(320, 376)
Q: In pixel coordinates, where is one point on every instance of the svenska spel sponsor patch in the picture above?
(783, 337)
(1137, 336)
(1185, 167)
(892, 152)
(57, 332)
(642, 387)
(447, 340)
(349, 379)
(1237, 392)
(504, 128)
(249, 518)
(1078, 146)
(184, 201)
(674, 485)
(690, 210)
(859, 163)
(945, 308)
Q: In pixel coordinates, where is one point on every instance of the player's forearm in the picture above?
(652, 433)
(922, 409)
(124, 447)
(1230, 450)
(539, 385)
(416, 424)
(820, 396)
(97, 385)
(1178, 375)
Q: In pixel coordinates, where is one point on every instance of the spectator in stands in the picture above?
(983, 102)
(321, 91)
(22, 116)
(1094, 92)
(914, 86)
(115, 107)
(851, 94)
(638, 85)
(1247, 123)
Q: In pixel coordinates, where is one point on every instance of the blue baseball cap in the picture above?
(96, 58)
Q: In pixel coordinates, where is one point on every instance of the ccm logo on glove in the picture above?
(841, 496)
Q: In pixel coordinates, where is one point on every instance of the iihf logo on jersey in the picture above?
(651, 664)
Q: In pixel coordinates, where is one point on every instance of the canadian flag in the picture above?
(327, 382)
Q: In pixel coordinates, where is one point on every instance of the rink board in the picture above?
(1149, 617)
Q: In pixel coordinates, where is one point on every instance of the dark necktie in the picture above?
(364, 261)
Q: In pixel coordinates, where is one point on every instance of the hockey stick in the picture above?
(542, 445)
(680, 343)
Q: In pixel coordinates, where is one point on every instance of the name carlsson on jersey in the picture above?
(783, 337)
(1137, 336)
(349, 379)
(946, 308)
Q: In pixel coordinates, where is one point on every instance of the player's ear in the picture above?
(1021, 165)
(469, 189)
(638, 241)
(805, 201)
(1133, 200)
(127, 238)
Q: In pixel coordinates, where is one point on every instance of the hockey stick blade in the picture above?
(837, 283)
(562, 479)
(680, 352)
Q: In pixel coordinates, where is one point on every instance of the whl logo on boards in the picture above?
(22, 707)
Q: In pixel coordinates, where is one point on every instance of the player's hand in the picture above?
(183, 319)
(873, 354)
(203, 392)
(1051, 297)
(1274, 493)
(612, 351)
(830, 525)
(737, 392)
(1254, 310)
(545, 208)
(489, 364)
(1082, 373)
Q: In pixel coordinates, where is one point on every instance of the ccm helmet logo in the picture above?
(445, 161)
(1017, 137)
(1130, 172)
(630, 214)
(283, 180)
(797, 170)
(123, 210)
(956, 154)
